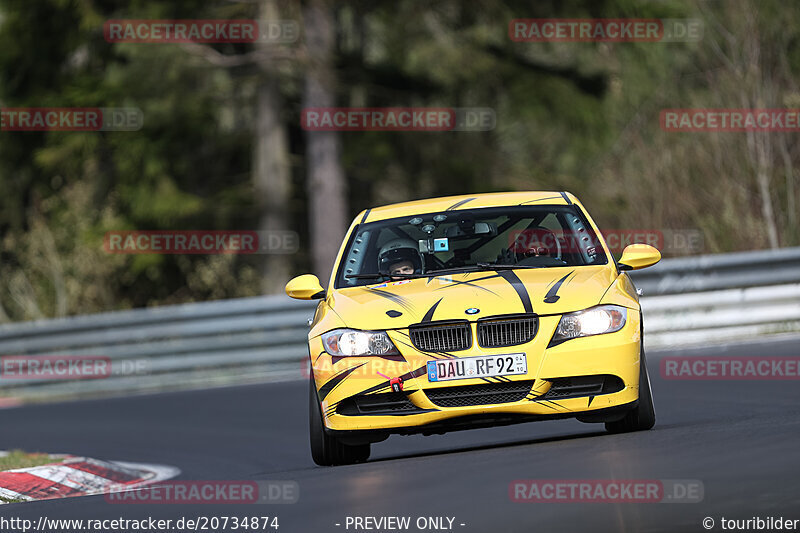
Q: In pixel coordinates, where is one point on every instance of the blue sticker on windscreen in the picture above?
(441, 245)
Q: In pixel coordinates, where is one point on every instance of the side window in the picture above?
(581, 242)
(353, 263)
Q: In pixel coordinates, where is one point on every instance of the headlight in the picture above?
(352, 342)
(593, 321)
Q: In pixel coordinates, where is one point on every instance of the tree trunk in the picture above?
(272, 179)
(764, 160)
(791, 202)
(271, 171)
(324, 173)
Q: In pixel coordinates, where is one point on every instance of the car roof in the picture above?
(467, 201)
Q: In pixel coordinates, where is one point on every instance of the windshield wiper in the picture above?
(441, 272)
(385, 275)
(478, 267)
(453, 270)
(499, 266)
(366, 276)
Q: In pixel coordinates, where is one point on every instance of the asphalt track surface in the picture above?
(740, 438)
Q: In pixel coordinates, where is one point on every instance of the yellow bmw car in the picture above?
(473, 311)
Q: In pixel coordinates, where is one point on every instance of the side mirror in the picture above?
(305, 287)
(636, 256)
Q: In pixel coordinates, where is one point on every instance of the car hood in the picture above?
(473, 295)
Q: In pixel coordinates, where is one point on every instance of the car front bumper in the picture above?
(614, 355)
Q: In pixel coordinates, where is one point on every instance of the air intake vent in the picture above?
(441, 337)
(373, 404)
(510, 330)
(577, 386)
(491, 393)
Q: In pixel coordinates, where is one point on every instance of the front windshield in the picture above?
(449, 242)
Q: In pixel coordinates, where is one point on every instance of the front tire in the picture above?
(327, 450)
(643, 417)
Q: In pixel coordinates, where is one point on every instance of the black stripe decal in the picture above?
(459, 204)
(552, 295)
(429, 315)
(336, 358)
(541, 402)
(405, 343)
(335, 380)
(396, 298)
(522, 292)
(533, 394)
(421, 371)
(496, 275)
(536, 387)
(540, 200)
(364, 219)
(467, 283)
(555, 403)
(566, 198)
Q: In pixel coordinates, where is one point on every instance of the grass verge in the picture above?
(19, 459)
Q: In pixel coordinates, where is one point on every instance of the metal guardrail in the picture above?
(720, 316)
(722, 297)
(692, 300)
(720, 271)
(167, 348)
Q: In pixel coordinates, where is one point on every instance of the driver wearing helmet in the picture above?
(401, 268)
(399, 258)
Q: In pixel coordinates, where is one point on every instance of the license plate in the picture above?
(483, 366)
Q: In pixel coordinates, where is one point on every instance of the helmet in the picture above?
(399, 250)
(536, 241)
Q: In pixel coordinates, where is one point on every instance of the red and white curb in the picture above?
(79, 476)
